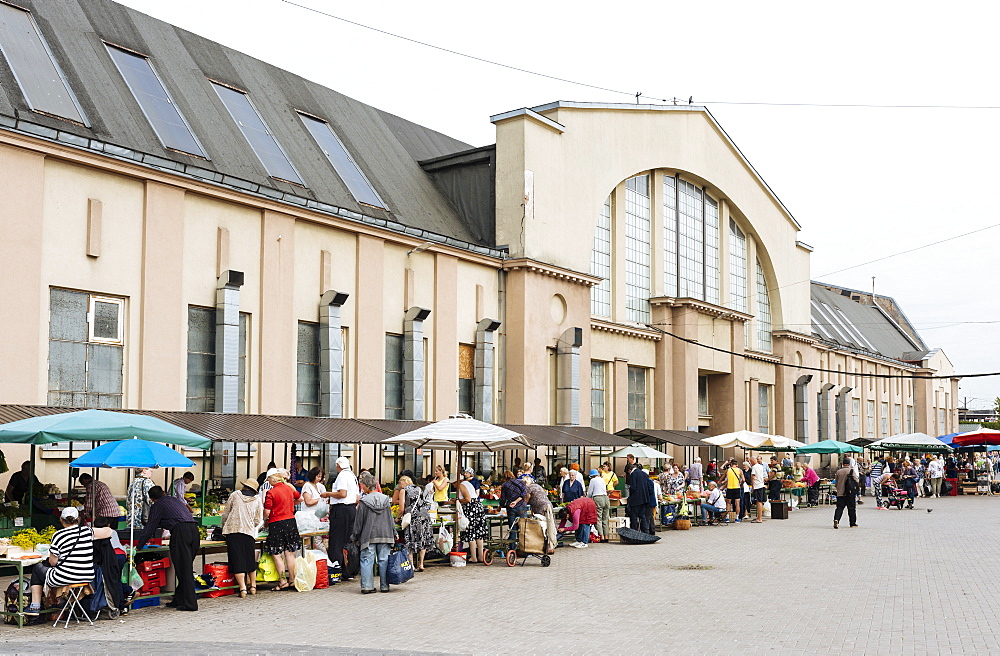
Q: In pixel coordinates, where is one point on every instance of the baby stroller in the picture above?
(896, 497)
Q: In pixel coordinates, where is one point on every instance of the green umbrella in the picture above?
(829, 446)
(98, 426)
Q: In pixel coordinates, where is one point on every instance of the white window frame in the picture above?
(120, 302)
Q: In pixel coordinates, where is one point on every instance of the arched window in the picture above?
(637, 249)
(691, 241)
(737, 268)
(763, 311)
(600, 263)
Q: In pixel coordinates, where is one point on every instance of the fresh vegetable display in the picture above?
(29, 538)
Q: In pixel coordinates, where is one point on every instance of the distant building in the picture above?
(188, 228)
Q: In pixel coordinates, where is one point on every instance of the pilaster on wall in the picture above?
(24, 343)
(923, 401)
(445, 344)
(162, 314)
(727, 394)
(620, 382)
(685, 368)
(278, 336)
(369, 343)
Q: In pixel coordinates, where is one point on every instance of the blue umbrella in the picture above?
(98, 426)
(132, 453)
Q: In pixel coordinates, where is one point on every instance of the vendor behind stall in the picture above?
(17, 487)
(179, 486)
(99, 504)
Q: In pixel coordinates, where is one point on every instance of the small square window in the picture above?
(105, 320)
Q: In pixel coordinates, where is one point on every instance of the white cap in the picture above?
(70, 512)
(343, 463)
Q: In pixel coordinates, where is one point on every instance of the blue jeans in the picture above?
(368, 555)
(715, 511)
(583, 533)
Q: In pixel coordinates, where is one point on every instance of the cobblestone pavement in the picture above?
(906, 582)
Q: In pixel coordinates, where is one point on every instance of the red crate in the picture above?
(148, 590)
(150, 565)
(157, 578)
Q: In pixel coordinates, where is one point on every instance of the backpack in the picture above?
(850, 486)
(10, 600)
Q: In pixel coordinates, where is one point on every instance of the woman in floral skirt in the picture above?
(283, 539)
(418, 535)
(472, 507)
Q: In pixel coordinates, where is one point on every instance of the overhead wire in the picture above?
(807, 368)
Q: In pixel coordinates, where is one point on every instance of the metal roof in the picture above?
(677, 437)
(385, 147)
(838, 319)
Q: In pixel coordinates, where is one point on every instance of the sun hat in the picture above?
(70, 512)
(343, 463)
(250, 483)
(594, 472)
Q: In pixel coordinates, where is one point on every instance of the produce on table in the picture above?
(29, 538)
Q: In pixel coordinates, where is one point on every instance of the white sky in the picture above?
(863, 182)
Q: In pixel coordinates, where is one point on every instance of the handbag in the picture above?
(400, 568)
(404, 523)
(463, 521)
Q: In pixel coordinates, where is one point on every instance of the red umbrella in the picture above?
(977, 437)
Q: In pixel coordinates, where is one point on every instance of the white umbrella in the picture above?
(639, 451)
(751, 440)
(461, 432)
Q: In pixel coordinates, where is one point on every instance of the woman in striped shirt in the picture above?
(71, 557)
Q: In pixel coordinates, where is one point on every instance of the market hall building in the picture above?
(187, 228)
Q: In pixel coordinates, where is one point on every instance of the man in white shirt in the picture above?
(343, 496)
(598, 491)
(714, 505)
(758, 478)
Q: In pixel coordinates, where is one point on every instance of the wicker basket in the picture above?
(682, 524)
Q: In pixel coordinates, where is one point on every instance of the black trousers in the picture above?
(850, 502)
(341, 525)
(640, 518)
(184, 542)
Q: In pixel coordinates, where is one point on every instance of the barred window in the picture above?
(670, 235)
(600, 263)
(201, 360)
(307, 371)
(636, 397)
(637, 249)
(393, 376)
(737, 268)
(764, 408)
(597, 394)
(763, 311)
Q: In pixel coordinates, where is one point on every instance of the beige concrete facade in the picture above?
(161, 241)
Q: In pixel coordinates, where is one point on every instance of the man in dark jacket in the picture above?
(374, 532)
(641, 499)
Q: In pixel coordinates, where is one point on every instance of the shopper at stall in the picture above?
(714, 505)
(137, 498)
(71, 558)
(758, 483)
(935, 472)
(513, 498)
(598, 491)
(578, 516)
(846, 482)
(17, 486)
(343, 496)
(878, 468)
(572, 489)
(539, 504)
(283, 539)
(418, 535)
(374, 532)
(242, 519)
(477, 530)
(312, 493)
(179, 487)
(774, 476)
(99, 503)
(641, 500)
(811, 478)
(171, 514)
(734, 488)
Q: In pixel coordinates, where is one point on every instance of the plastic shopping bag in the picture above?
(131, 577)
(305, 572)
(266, 569)
(307, 522)
(400, 567)
(444, 540)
